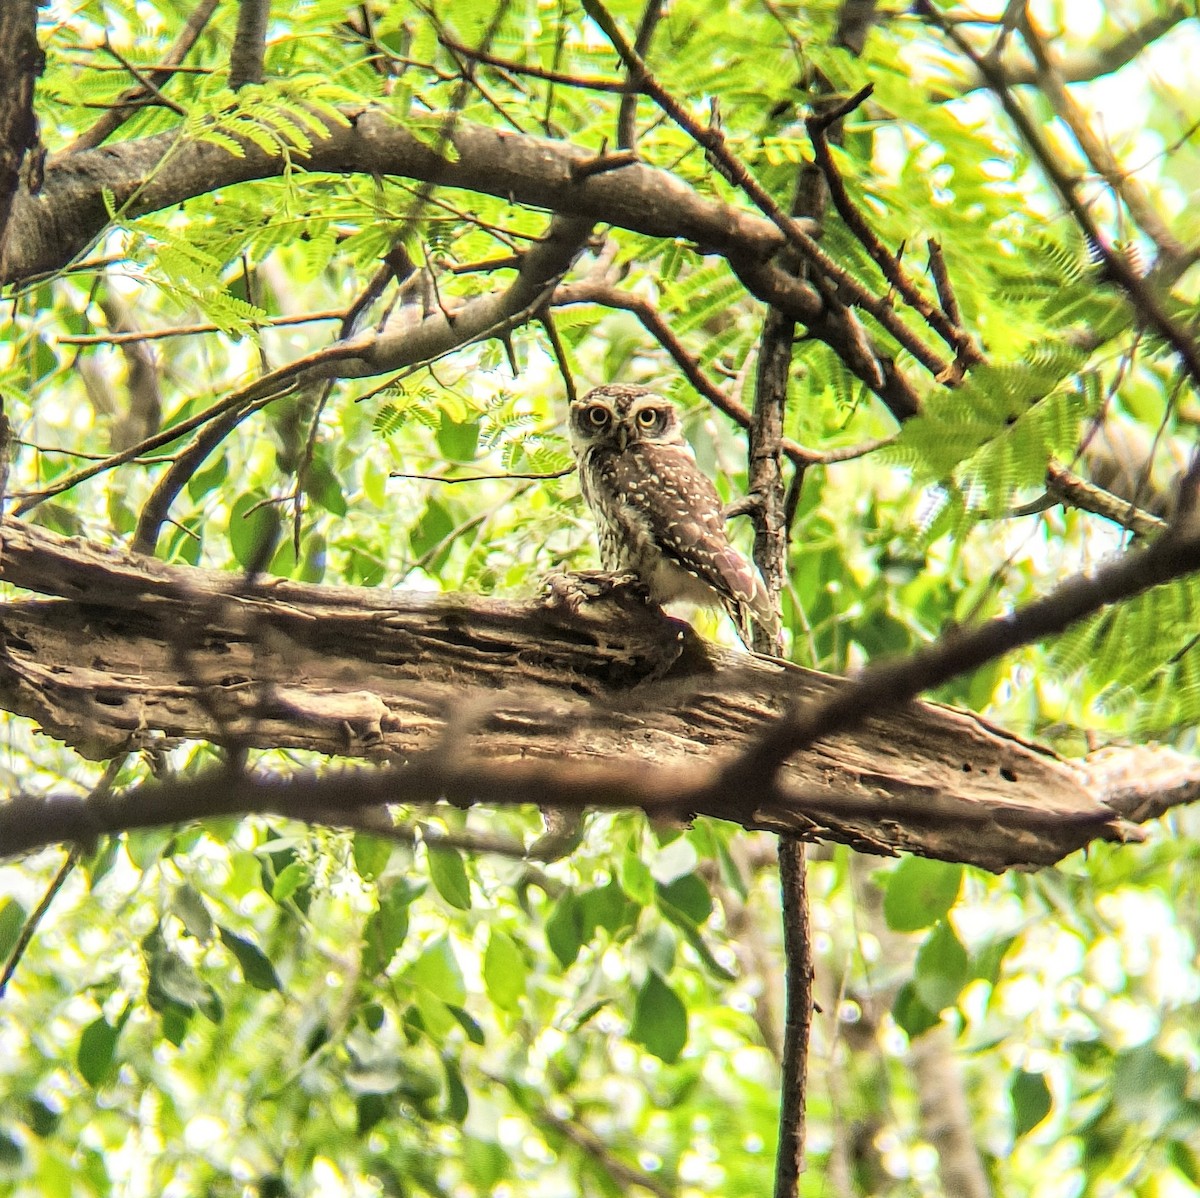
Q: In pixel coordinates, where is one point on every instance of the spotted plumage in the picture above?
(657, 514)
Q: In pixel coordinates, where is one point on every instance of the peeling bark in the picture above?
(134, 653)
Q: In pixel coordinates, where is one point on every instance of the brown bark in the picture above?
(614, 705)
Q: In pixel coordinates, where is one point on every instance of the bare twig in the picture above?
(967, 353)
(186, 330)
(127, 103)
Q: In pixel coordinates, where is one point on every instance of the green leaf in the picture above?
(12, 920)
(458, 1105)
(1147, 1087)
(606, 907)
(635, 877)
(174, 989)
(436, 970)
(322, 484)
(254, 525)
(919, 893)
(97, 1047)
(188, 905)
(371, 855)
(458, 440)
(256, 967)
(659, 1019)
(448, 873)
(289, 880)
(386, 929)
(504, 971)
(564, 929)
(942, 968)
(689, 895)
(910, 1013)
(1031, 1101)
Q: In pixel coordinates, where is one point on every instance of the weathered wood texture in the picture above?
(133, 653)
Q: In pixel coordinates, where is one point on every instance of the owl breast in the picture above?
(632, 495)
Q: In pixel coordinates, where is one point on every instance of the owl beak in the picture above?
(622, 437)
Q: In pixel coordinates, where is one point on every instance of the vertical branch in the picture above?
(249, 43)
(627, 115)
(770, 554)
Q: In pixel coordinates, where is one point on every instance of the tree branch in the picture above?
(881, 687)
(129, 101)
(487, 701)
(21, 62)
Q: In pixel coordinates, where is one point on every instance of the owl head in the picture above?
(621, 414)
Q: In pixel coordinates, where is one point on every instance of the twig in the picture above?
(108, 124)
(519, 68)
(187, 330)
(1069, 488)
(967, 353)
(942, 283)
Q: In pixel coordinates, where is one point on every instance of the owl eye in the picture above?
(597, 416)
(649, 418)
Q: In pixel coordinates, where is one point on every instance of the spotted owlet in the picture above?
(657, 514)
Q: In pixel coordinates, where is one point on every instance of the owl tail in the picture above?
(758, 614)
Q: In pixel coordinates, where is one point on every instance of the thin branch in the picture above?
(942, 283)
(152, 92)
(519, 68)
(967, 353)
(129, 100)
(186, 330)
(1068, 487)
(880, 688)
(1126, 186)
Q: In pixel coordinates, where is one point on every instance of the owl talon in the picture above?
(573, 589)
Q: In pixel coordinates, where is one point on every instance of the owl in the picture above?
(657, 514)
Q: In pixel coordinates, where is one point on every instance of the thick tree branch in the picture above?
(21, 62)
(538, 172)
(500, 702)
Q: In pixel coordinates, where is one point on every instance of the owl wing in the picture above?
(683, 508)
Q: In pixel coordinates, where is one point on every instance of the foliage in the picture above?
(257, 1007)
